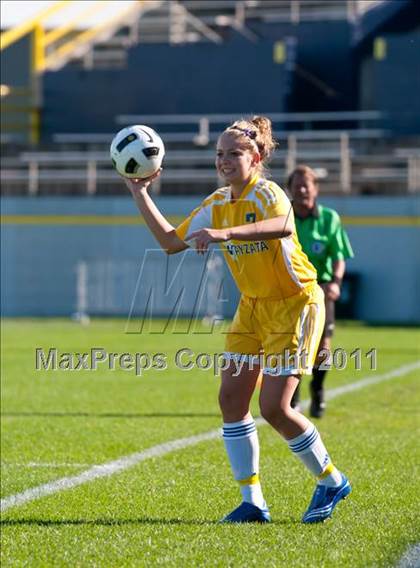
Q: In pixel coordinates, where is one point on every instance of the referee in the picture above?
(327, 246)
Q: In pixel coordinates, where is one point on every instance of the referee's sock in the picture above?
(318, 379)
(295, 401)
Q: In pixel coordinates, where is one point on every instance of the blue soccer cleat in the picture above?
(247, 513)
(324, 501)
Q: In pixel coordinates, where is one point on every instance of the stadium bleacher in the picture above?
(367, 150)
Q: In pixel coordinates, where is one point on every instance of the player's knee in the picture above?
(274, 412)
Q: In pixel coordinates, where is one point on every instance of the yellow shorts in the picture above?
(279, 335)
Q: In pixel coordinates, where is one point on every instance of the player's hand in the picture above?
(137, 186)
(332, 291)
(204, 237)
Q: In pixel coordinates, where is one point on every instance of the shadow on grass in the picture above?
(122, 522)
(112, 415)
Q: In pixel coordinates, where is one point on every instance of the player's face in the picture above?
(304, 191)
(234, 161)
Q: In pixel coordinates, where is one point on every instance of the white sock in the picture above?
(309, 448)
(243, 449)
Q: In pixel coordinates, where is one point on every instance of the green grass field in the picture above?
(164, 510)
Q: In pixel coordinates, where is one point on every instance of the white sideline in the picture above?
(45, 464)
(115, 466)
(411, 558)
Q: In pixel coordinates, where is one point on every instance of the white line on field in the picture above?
(45, 464)
(411, 558)
(125, 462)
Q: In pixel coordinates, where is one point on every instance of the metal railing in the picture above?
(51, 49)
(207, 127)
(20, 116)
(54, 48)
(331, 149)
(341, 165)
(235, 12)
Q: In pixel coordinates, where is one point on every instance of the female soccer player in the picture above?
(281, 312)
(327, 246)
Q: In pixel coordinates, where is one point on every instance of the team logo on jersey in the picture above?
(247, 248)
(250, 218)
(318, 247)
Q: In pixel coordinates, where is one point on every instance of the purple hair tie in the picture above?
(247, 131)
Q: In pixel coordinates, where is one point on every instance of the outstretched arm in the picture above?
(275, 228)
(163, 231)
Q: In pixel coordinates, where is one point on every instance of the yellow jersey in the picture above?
(271, 268)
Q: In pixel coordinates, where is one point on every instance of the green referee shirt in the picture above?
(324, 240)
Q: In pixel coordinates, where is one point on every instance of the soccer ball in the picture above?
(137, 151)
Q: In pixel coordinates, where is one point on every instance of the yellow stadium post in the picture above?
(35, 126)
(379, 49)
(38, 49)
(37, 68)
(279, 52)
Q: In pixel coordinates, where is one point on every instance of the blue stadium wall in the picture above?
(40, 251)
(238, 77)
(391, 84)
(329, 66)
(325, 77)
(326, 69)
